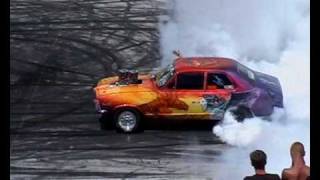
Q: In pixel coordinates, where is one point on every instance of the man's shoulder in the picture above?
(286, 170)
(290, 173)
(274, 176)
(265, 176)
(248, 178)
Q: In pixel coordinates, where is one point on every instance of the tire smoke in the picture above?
(268, 36)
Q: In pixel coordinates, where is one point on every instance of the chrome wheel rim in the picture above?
(127, 120)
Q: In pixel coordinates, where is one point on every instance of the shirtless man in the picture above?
(298, 170)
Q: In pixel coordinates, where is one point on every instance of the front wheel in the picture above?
(127, 121)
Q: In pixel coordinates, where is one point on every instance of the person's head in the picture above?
(258, 159)
(297, 149)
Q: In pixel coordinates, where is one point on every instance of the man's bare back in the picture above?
(299, 170)
(301, 173)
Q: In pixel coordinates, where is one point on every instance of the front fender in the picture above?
(130, 106)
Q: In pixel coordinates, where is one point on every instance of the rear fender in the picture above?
(257, 100)
(261, 104)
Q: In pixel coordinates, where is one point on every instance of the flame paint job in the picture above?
(154, 101)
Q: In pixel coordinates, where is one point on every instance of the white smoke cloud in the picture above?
(269, 36)
(259, 29)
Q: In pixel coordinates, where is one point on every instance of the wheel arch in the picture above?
(128, 107)
(241, 111)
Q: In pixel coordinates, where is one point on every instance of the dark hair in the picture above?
(258, 159)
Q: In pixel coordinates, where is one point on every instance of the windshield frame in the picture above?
(164, 75)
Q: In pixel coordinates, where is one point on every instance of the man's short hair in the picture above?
(297, 148)
(258, 159)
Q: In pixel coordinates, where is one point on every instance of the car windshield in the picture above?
(249, 74)
(164, 75)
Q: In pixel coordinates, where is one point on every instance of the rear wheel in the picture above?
(127, 121)
(241, 112)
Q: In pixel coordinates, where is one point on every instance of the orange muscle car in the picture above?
(201, 88)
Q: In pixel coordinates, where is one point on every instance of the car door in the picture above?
(183, 96)
(218, 89)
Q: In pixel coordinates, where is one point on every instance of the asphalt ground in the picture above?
(73, 147)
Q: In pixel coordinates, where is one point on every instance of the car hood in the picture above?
(109, 86)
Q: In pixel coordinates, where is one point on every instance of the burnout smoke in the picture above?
(268, 36)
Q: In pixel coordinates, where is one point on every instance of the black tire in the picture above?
(106, 122)
(132, 124)
(241, 112)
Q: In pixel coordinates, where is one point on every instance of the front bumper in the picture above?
(98, 107)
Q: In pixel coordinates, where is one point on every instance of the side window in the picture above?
(218, 81)
(190, 80)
